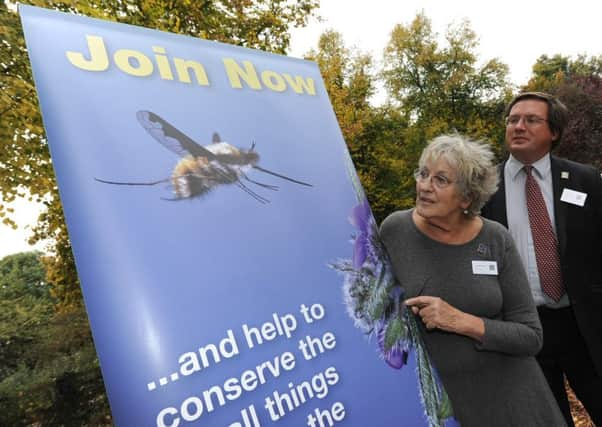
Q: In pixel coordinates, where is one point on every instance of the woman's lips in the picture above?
(423, 199)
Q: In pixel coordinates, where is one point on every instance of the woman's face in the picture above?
(437, 195)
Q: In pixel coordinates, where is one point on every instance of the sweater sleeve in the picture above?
(518, 330)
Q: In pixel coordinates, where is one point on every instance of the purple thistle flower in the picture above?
(397, 356)
(360, 218)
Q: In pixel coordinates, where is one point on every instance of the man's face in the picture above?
(528, 134)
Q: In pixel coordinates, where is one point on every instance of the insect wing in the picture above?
(170, 137)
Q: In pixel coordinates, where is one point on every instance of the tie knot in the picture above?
(528, 169)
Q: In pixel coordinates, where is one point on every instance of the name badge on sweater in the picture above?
(484, 267)
(573, 197)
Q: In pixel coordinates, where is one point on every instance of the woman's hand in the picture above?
(438, 314)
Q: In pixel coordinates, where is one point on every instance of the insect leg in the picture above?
(269, 187)
(227, 178)
(104, 181)
(252, 193)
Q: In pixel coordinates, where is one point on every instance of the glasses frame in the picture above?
(438, 181)
(529, 120)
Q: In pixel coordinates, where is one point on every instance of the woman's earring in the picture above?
(465, 211)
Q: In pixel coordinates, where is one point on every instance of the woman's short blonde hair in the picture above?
(473, 162)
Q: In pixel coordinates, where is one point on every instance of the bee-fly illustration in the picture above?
(202, 168)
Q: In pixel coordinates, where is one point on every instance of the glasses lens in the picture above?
(440, 181)
(528, 121)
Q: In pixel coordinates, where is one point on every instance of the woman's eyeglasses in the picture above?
(439, 181)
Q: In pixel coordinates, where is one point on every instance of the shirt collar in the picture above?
(542, 167)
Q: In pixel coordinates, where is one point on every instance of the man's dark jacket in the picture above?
(579, 231)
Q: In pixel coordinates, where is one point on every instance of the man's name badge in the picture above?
(573, 197)
(484, 267)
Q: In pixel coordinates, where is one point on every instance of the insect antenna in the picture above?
(282, 176)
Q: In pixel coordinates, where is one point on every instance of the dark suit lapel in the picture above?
(560, 208)
(497, 203)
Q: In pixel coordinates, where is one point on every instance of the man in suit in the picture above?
(566, 275)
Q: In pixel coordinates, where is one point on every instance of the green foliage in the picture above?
(577, 83)
(434, 398)
(441, 88)
(21, 274)
(372, 134)
(394, 333)
(551, 72)
(48, 369)
(582, 139)
(350, 84)
(433, 89)
(25, 304)
(24, 155)
(261, 24)
(385, 162)
(57, 380)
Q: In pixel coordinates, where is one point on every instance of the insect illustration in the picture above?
(203, 168)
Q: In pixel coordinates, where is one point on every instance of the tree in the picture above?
(441, 88)
(25, 304)
(48, 368)
(438, 89)
(577, 83)
(551, 72)
(24, 155)
(582, 138)
(349, 82)
(26, 165)
(371, 133)
(387, 167)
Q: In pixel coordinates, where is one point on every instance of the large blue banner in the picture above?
(219, 232)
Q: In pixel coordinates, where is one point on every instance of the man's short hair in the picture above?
(557, 111)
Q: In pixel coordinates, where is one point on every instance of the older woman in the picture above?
(466, 282)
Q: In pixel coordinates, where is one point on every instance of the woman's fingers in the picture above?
(420, 301)
(434, 312)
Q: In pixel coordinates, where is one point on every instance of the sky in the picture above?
(516, 32)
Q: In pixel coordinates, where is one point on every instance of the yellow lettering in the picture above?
(235, 73)
(143, 68)
(162, 63)
(99, 61)
(300, 85)
(273, 80)
(140, 64)
(182, 67)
